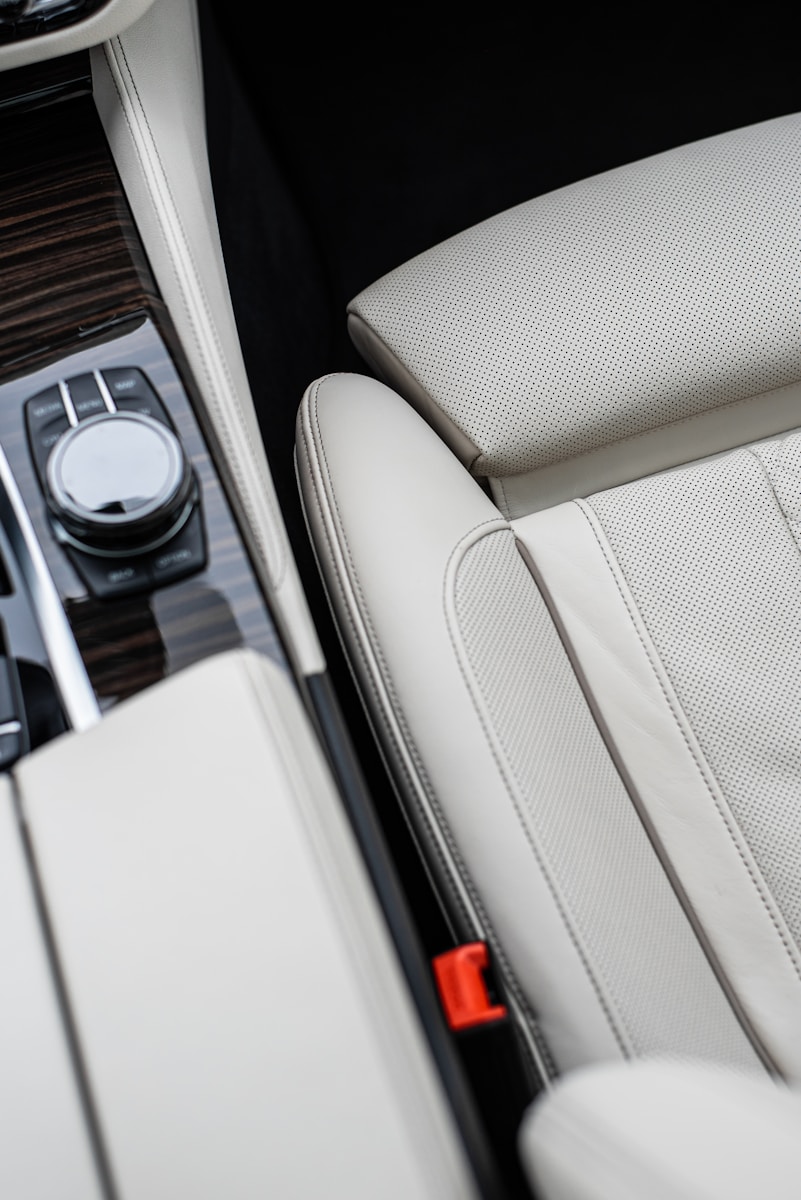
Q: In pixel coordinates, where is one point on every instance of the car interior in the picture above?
(400, 765)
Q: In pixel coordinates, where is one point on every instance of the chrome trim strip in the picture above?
(66, 539)
(102, 387)
(10, 727)
(75, 690)
(66, 400)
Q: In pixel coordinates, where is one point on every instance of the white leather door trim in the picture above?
(149, 94)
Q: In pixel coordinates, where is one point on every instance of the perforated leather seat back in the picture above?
(583, 668)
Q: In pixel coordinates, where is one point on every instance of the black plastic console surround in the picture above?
(128, 511)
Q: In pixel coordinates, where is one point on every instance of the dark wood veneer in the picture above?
(70, 255)
(77, 293)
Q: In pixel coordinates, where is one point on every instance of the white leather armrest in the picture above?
(666, 1131)
(244, 1024)
(45, 1147)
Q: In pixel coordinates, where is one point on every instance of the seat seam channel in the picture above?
(704, 770)
(753, 451)
(502, 485)
(314, 450)
(678, 422)
(615, 1019)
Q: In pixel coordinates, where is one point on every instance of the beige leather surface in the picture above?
(659, 449)
(670, 776)
(637, 300)
(148, 91)
(497, 756)
(386, 584)
(666, 1131)
(243, 1020)
(45, 1149)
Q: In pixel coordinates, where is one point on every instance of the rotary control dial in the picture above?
(119, 484)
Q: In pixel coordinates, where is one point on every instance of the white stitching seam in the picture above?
(704, 769)
(793, 526)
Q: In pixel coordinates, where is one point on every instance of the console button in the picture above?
(119, 482)
(85, 396)
(43, 408)
(183, 555)
(45, 440)
(131, 392)
(108, 578)
(46, 419)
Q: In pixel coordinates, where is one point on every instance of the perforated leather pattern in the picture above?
(711, 555)
(614, 891)
(616, 305)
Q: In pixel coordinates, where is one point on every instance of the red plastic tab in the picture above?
(462, 990)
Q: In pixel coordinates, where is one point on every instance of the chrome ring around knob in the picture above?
(119, 483)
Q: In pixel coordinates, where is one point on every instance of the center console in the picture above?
(212, 984)
(124, 560)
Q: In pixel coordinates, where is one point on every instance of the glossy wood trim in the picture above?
(70, 255)
(42, 84)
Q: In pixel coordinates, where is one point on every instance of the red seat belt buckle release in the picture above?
(462, 988)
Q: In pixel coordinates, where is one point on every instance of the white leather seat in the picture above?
(666, 1131)
(562, 544)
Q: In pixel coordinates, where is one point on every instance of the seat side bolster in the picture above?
(387, 505)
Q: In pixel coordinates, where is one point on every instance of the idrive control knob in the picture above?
(119, 484)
